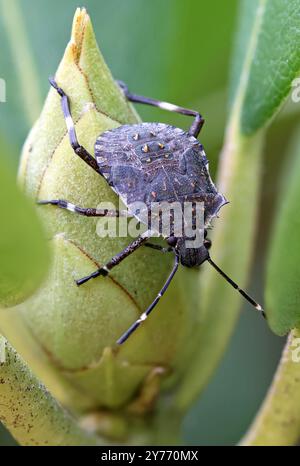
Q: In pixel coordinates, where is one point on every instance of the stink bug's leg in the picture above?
(116, 259)
(78, 149)
(87, 212)
(144, 316)
(158, 247)
(236, 287)
(197, 123)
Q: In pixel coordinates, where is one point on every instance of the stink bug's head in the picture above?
(191, 256)
(191, 253)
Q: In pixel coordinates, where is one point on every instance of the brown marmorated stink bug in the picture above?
(152, 163)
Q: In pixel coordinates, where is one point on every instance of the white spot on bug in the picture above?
(71, 207)
(167, 106)
(69, 123)
(143, 317)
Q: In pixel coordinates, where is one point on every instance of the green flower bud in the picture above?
(71, 331)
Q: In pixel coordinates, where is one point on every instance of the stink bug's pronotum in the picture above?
(151, 162)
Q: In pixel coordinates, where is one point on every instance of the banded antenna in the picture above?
(236, 287)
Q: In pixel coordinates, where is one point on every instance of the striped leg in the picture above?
(197, 123)
(157, 247)
(116, 259)
(144, 316)
(78, 149)
(87, 212)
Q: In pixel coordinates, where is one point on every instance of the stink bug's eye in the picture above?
(172, 241)
(207, 243)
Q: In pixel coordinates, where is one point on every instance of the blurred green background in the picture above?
(178, 51)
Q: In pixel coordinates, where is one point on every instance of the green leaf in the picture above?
(273, 58)
(244, 31)
(283, 272)
(23, 248)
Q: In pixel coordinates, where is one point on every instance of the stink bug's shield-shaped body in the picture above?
(151, 163)
(157, 163)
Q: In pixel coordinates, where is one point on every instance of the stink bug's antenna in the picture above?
(235, 286)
